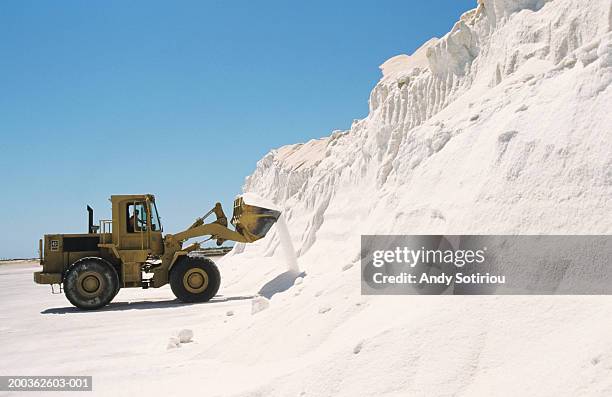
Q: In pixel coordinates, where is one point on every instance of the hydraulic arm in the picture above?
(251, 223)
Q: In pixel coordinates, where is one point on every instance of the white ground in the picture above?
(501, 126)
(317, 338)
(124, 346)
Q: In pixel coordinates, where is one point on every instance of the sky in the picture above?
(177, 98)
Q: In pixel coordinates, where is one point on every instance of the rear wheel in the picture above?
(195, 279)
(91, 283)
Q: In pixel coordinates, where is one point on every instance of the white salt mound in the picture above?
(185, 335)
(501, 126)
(401, 64)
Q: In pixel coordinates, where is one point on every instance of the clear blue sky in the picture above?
(177, 98)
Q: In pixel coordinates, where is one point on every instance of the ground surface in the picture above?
(319, 337)
(124, 346)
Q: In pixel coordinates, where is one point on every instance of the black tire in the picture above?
(116, 291)
(91, 283)
(195, 279)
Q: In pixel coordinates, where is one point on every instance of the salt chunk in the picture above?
(259, 303)
(173, 343)
(185, 335)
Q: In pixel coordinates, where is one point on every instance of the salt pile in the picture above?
(504, 129)
(501, 126)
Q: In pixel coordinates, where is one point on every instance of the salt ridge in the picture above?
(504, 130)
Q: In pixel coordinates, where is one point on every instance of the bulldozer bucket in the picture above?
(251, 221)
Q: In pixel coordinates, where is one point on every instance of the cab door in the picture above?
(155, 228)
(137, 226)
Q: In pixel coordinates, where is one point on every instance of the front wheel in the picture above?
(195, 279)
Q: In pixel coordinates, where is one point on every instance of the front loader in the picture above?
(130, 250)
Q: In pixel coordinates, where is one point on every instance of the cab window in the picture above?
(137, 217)
(155, 223)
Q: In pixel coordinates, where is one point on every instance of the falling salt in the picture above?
(283, 231)
(287, 245)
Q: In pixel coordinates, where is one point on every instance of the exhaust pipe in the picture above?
(90, 228)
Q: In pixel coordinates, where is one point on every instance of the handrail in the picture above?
(103, 225)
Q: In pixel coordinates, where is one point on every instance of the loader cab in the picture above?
(136, 224)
